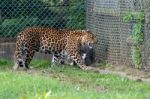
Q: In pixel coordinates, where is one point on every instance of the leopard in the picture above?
(51, 41)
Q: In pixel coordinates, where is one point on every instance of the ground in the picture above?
(128, 72)
(68, 82)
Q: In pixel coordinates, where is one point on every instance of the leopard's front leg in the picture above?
(75, 56)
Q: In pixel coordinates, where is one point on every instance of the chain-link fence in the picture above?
(105, 19)
(15, 15)
(18, 14)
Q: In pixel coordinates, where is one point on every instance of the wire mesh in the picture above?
(105, 19)
(18, 14)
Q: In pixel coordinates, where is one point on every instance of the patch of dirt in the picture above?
(101, 89)
(126, 71)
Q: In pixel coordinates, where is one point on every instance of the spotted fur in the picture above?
(51, 41)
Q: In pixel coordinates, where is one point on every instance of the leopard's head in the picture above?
(88, 39)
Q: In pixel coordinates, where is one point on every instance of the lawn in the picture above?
(66, 82)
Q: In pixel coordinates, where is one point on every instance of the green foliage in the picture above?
(140, 16)
(128, 17)
(44, 95)
(137, 57)
(5, 63)
(138, 35)
(37, 63)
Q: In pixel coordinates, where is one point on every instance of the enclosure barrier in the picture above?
(102, 17)
(105, 19)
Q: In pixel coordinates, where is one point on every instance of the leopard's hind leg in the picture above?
(23, 55)
(20, 54)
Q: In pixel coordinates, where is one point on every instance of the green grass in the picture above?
(67, 82)
(4, 64)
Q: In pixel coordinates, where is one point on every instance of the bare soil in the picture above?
(124, 71)
(129, 72)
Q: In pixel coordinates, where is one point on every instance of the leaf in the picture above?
(45, 95)
(128, 17)
(137, 56)
(137, 28)
(140, 16)
(48, 93)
